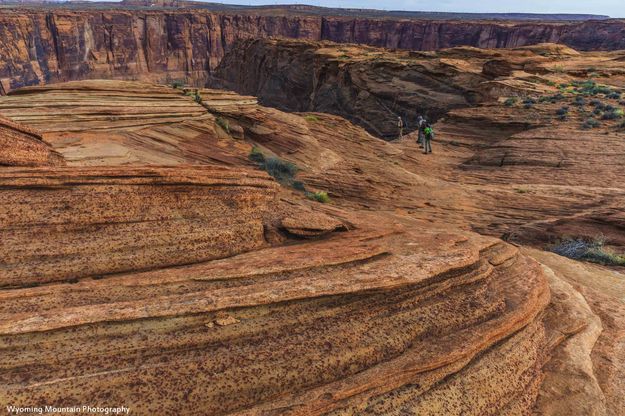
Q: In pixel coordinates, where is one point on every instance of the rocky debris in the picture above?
(22, 146)
(225, 320)
(44, 45)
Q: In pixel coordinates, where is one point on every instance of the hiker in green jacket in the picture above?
(428, 135)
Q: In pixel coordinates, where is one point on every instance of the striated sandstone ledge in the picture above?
(67, 223)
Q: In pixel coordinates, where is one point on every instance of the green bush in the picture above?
(311, 117)
(256, 155)
(614, 95)
(283, 171)
(579, 101)
(614, 114)
(319, 196)
(197, 98)
(299, 185)
(591, 123)
(176, 84)
(511, 102)
(223, 123)
(562, 111)
(588, 250)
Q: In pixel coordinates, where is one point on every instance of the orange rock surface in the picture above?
(163, 271)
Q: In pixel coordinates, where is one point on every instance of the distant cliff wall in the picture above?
(42, 46)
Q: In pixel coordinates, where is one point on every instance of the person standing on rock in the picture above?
(400, 127)
(428, 135)
(420, 126)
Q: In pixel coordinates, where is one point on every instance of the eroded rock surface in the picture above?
(22, 146)
(204, 287)
(53, 44)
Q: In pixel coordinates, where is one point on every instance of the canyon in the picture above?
(53, 44)
(181, 249)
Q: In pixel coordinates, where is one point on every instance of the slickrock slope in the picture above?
(361, 323)
(524, 173)
(67, 223)
(99, 123)
(382, 314)
(62, 44)
(229, 294)
(22, 146)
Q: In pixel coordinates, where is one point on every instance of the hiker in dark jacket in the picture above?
(428, 135)
(420, 127)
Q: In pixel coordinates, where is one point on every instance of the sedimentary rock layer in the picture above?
(42, 46)
(366, 322)
(23, 146)
(66, 223)
(368, 86)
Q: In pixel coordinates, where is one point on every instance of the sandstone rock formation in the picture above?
(44, 45)
(22, 146)
(204, 287)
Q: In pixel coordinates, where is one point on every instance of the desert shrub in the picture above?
(588, 250)
(176, 84)
(579, 101)
(529, 102)
(597, 111)
(511, 102)
(559, 69)
(319, 196)
(311, 117)
(223, 123)
(597, 104)
(197, 97)
(591, 87)
(591, 123)
(282, 170)
(613, 114)
(602, 89)
(256, 155)
(299, 185)
(614, 95)
(563, 111)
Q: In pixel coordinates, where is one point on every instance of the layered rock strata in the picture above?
(64, 224)
(51, 45)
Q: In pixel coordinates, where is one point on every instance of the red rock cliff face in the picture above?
(50, 46)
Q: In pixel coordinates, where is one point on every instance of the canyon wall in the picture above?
(43, 46)
(366, 85)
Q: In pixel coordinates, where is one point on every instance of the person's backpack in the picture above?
(428, 132)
